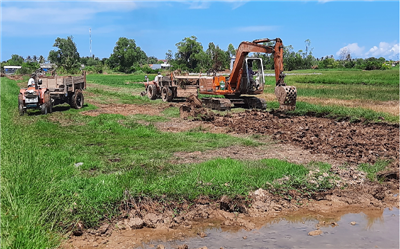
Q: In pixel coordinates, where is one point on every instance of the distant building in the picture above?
(11, 69)
(159, 66)
(155, 66)
(47, 66)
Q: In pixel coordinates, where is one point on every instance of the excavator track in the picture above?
(218, 104)
(250, 103)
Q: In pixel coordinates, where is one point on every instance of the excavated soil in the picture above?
(355, 142)
(287, 152)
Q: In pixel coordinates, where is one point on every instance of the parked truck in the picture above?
(48, 91)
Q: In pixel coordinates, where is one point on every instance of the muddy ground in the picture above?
(297, 139)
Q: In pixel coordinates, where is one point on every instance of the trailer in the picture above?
(48, 91)
(174, 85)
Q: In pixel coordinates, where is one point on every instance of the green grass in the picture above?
(352, 114)
(122, 97)
(344, 76)
(372, 169)
(119, 80)
(309, 88)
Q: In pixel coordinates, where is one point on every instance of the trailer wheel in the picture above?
(166, 94)
(77, 99)
(152, 92)
(21, 109)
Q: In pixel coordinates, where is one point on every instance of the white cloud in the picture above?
(199, 5)
(61, 12)
(352, 49)
(384, 50)
(236, 4)
(205, 4)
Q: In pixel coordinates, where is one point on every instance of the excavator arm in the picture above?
(255, 47)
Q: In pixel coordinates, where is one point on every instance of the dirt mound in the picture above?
(356, 142)
(14, 77)
(193, 108)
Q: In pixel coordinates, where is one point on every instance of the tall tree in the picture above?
(41, 59)
(231, 50)
(152, 60)
(168, 56)
(16, 60)
(126, 55)
(188, 48)
(67, 55)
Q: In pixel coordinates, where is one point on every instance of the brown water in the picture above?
(373, 229)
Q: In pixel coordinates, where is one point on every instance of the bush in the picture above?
(386, 66)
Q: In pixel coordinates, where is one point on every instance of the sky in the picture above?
(363, 28)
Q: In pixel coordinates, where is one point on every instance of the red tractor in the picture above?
(34, 97)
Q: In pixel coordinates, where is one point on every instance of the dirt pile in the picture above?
(193, 108)
(356, 142)
(14, 77)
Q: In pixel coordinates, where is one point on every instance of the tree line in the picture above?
(191, 56)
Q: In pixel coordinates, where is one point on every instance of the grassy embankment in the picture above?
(44, 192)
(347, 93)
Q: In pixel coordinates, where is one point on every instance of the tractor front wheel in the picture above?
(43, 109)
(21, 109)
(47, 102)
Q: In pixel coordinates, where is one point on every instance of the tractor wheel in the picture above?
(21, 109)
(152, 92)
(77, 99)
(50, 108)
(43, 109)
(166, 94)
(47, 102)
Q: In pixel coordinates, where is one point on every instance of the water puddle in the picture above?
(363, 229)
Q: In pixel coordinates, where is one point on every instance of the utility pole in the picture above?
(90, 41)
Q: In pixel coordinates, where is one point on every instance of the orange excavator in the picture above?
(244, 81)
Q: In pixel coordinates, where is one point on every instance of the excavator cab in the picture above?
(253, 75)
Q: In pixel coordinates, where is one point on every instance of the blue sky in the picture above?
(365, 28)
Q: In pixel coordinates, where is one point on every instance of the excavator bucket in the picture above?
(286, 96)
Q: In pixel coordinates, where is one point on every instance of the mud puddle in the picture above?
(366, 229)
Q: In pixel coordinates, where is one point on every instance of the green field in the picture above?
(118, 80)
(45, 192)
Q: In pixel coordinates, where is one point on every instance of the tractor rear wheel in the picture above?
(166, 94)
(77, 99)
(21, 109)
(152, 92)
